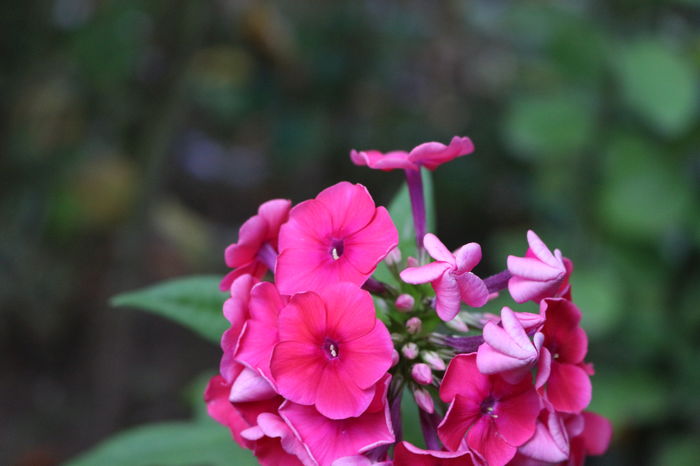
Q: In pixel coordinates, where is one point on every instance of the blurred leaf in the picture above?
(410, 420)
(401, 214)
(195, 302)
(658, 83)
(628, 398)
(641, 196)
(547, 126)
(597, 293)
(679, 452)
(171, 443)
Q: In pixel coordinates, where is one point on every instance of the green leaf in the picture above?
(657, 83)
(597, 293)
(549, 126)
(194, 302)
(169, 443)
(401, 214)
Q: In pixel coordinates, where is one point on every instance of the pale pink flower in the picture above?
(255, 235)
(340, 236)
(487, 414)
(407, 454)
(429, 155)
(540, 274)
(332, 350)
(450, 276)
(327, 440)
(507, 348)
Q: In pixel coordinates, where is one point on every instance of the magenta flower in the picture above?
(340, 236)
(550, 444)
(565, 346)
(236, 312)
(593, 438)
(487, 414)
(538, 275)
(327, 440)
(257, 242)
(274, 444)
(407, 454)
(332, 350)
(429, 155)
(507, 348)
(450, 276)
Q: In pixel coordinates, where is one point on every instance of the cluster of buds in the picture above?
(318, 357)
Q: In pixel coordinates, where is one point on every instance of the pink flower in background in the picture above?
(565, 346)
(429, 155)
(332, 350)
(507, 348)
(327, 439)
(259, 335)
(340, 236)
(257, 238)
(487, 414)
(450, 276)
(538, 275)
(407, 454)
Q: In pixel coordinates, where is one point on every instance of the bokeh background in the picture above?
(136, 137)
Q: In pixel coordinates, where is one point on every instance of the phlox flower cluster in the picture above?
(319, 352)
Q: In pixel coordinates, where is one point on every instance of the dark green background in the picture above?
(136, 136)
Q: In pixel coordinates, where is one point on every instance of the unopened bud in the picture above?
(414, 325)
(457, 324)
(424, 400)
(412, 261)
(404, 302)
(433, 360)
(394, 257)
(394, 358)
(410, 351)
(422, 373)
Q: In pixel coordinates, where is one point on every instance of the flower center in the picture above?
(330, 347)
(337, 249)
(488, 407)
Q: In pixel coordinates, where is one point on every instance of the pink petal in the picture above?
(549, 444)
(297, 369)
(437, 250)
(303, 319)
(339, 397)
(424, 274)
(406, 454)
(569, 388)
(472, 289)
(485, 440)
(350, 311)
(300, 270)
(433, 154)
(368, 358)
(597, 433)
(544, 368)
(540, 250)
(255, 346)
(250, 237)
(461, 416)
(250, 386)
(350, 205)
(447, 296)
(389, 161)
(467, 257)
(463, 377)
(265, 303)
(517, 415)
(533, 269)
(368, 246)
(275, 213)
(255, 268)
(236, 307)
(221, 410)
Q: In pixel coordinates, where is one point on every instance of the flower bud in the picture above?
(422, 374)
(394, 358)
(410, 351)
(424, 400)
(404, 302)
(433, 360)
(412, 262)
(394, 257)
(457, 324)
(414, 325)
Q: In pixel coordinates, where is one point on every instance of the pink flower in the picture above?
(332, 350)
(327, 440)
(487, 414)
(565, 346)
(259, 335)
(550, 444)
(255, 235)
(407, 454)
(274, 444)
(538, 275)
(340, 236)
(236, 312)
(450, 276)
(594, 438)
(507, 348)
(429, 155)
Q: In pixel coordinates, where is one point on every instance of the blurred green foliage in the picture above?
(136, 137)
